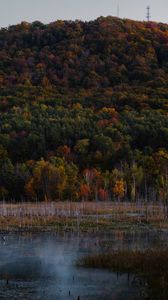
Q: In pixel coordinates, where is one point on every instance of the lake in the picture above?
(43, 266)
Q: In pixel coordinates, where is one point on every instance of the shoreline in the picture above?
(83, 228)
(84, 217)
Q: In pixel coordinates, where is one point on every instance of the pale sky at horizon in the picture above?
(15, 11)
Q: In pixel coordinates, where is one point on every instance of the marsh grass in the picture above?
(150, 266)
(152, 260)
(83, 216)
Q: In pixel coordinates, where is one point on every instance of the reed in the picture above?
(153, 261)
(84, 216)
(149, 266)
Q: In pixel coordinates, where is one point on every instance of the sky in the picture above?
(46, 11)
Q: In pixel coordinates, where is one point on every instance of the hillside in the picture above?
(77, 56)
(83, 110)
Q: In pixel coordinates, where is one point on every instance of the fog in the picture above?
(44, 266)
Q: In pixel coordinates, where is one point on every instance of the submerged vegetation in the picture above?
(83, 111)
(150, 267)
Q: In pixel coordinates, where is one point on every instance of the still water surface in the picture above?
(44, 266)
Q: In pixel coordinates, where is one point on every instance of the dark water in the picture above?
(44, 266)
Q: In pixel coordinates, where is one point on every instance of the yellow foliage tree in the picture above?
(119, 188)
(48, 181)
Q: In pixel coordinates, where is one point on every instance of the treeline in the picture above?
(84, 111)
(52, 152)
(56, 179)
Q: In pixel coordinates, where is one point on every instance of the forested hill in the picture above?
(109, 56)
(84, 110)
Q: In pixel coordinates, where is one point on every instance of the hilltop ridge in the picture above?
(84, 110)
(75, 57)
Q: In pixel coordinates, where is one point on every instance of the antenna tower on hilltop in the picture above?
(148, 14)
(118, 10)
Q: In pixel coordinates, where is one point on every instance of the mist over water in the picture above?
(44, 266)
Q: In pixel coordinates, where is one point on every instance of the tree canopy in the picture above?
(84, 110)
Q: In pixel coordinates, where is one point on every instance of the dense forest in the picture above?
(84, 111)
